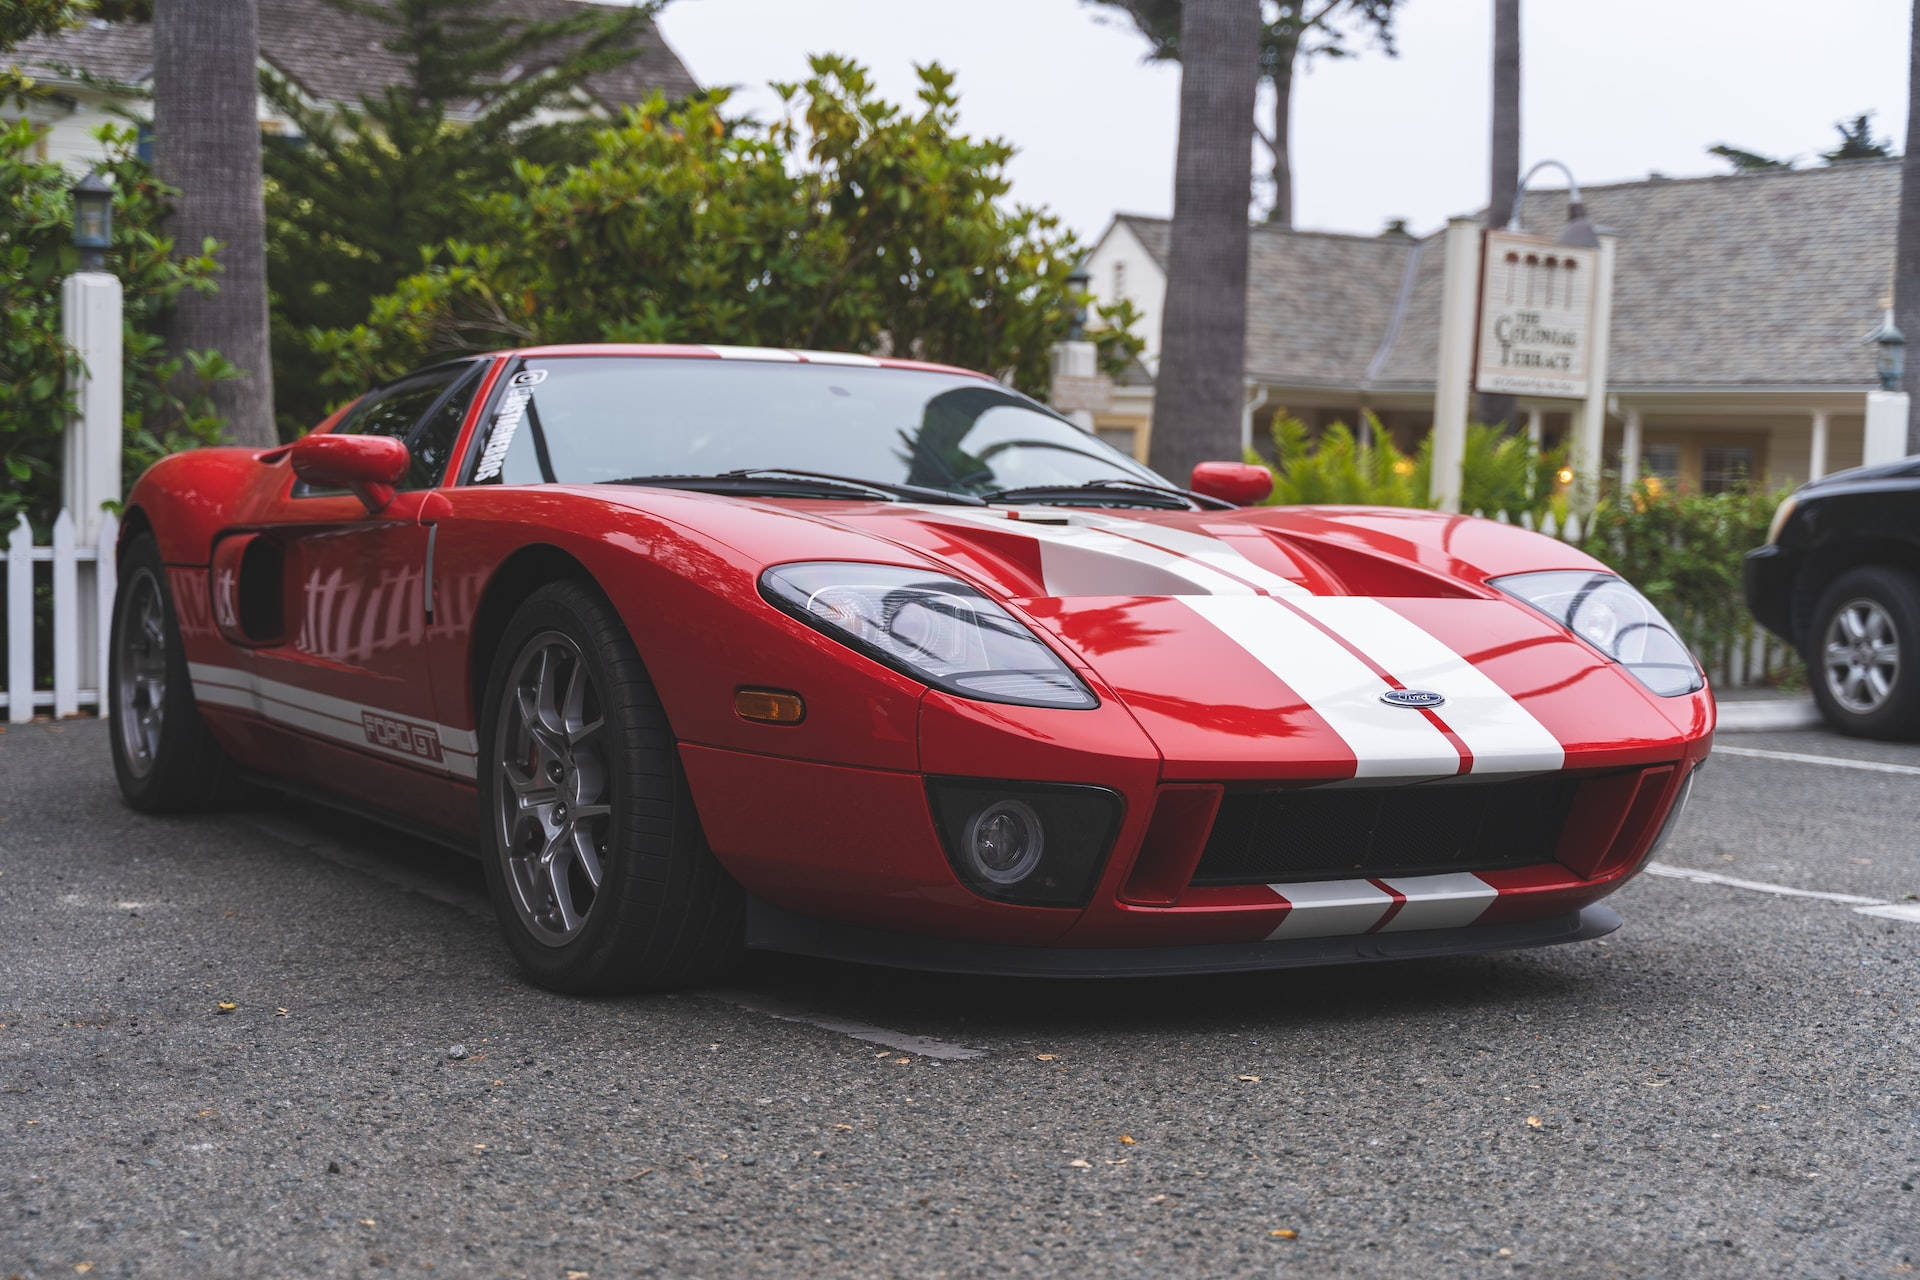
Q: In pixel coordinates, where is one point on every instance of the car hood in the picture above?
(1240, 638)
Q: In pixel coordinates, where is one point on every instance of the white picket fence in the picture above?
(71, 607)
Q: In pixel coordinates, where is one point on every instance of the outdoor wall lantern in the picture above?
(1891, 360)
(1078, 281)
(1578, 231)
(92, 221)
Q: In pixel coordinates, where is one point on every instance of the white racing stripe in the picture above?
(1215, 553)
(1438, 902)
(1387, 742)
(326, 716)
(1501, 734)
(1079, 560)
(1329, 908)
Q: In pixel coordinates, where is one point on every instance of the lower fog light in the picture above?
(1004, 842)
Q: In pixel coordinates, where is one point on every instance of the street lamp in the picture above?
(1891, 361)
(92, 221)
(1578, 231)
(1078, 281)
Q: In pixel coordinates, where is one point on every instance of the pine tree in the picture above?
(353, 203)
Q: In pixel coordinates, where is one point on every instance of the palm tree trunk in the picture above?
(1281, 214)
(206, 142)
(1504, 171)
(1198, 392)
(1906, 262)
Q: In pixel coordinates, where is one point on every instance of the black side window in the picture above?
(398, 409)
(433, 443)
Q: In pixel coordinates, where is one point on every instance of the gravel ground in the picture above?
(1727, 1086)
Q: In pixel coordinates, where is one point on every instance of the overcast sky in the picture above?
(1613, 87)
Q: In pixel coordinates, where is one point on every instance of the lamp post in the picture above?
(92, 221)
(1578, 231)
(1890, 361)
(1078, 281)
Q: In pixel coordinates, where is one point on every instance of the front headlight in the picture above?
(934, 628)
(1780, 516)
(1615, 619)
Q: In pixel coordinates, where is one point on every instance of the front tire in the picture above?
(598, 871)
(163, 756)
(1863, 654)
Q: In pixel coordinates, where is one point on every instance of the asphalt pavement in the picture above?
(224, 1051)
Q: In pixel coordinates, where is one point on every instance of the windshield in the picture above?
(593, 419)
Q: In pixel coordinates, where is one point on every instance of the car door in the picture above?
(345, 659)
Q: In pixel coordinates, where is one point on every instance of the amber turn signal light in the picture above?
(769, 706)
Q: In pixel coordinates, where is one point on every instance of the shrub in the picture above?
(849, 223)
(1684, 550)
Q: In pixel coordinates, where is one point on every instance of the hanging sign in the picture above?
(1536, 316)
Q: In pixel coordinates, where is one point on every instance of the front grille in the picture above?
(1337, 833)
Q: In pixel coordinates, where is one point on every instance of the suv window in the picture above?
(402, 410)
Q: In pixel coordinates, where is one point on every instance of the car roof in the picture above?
(774, 355)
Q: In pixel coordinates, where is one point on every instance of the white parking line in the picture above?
(769, 1007)
(1909, 911)
(1800, 757)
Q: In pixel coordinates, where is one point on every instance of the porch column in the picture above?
(1817, 453)
(1630, 450)
(1536, 423)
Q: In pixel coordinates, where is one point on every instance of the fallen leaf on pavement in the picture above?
(279, 1013)
(226, 1006)
(1285, 1233)
(1078, 1164)
(1249, 1079)
(83, 1267)
(1533, 1122)
(1044, 1057)
(1126, 1141)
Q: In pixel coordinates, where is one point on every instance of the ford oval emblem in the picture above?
(1412, 698)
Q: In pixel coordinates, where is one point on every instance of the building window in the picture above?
(1661, 460)
(1119, 279)
(143, 143)
(1725, 467)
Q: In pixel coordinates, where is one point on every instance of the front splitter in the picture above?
(770, 928)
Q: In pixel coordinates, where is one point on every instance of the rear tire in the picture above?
(595, 861)
(1863, 654)
(163, 756)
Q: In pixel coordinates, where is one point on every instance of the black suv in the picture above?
(1839, 580)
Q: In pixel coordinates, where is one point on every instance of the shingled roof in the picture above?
(1739, 281)
(338, 56)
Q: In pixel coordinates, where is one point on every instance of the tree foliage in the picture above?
(848, 223)
(166, 398)
(1856, 143)
(351, 206)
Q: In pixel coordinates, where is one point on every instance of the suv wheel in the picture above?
(1863, 656)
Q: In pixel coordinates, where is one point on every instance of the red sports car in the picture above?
(705, 649)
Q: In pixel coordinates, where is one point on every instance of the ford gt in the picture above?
(704, 649)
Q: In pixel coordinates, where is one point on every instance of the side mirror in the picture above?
(368, 465)
(1241, 483)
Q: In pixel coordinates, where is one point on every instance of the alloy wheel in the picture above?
(552, 810)
(1862, 655)
(140, 688)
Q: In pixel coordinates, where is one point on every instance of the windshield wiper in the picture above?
(1094, 493)
(788, 482)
